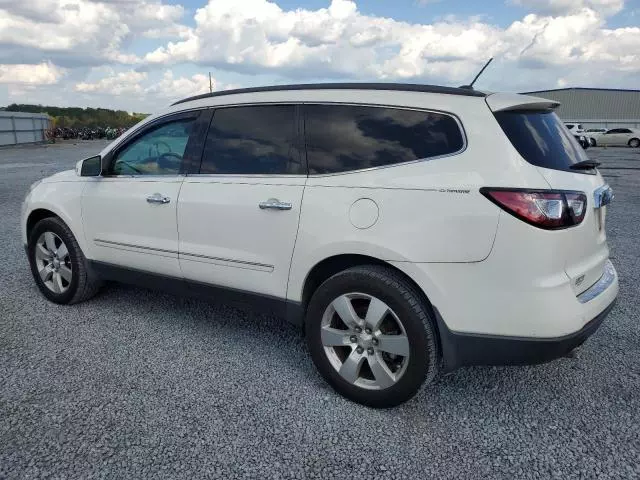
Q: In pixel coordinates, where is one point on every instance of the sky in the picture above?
(141, 55)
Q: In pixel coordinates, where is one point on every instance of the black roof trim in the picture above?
(406, 87)
(584, 88)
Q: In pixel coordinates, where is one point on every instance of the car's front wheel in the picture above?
(58, 264)
(372, 336)
(592, 141)
(634, 142)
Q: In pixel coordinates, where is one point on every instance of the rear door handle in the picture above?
(275, 204)
(158, 198)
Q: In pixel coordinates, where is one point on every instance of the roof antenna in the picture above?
(470, 86)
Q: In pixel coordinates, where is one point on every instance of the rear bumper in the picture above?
(465, 349)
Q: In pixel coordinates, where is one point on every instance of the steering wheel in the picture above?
(157, 144)
(169, 160)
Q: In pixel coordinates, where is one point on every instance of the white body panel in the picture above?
(226, 239)
(122, 228)
(61, 195)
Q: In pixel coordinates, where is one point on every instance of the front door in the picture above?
(129, 213)
(238, 216)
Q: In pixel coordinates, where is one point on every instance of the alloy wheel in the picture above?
(53, 262)
(365, 341)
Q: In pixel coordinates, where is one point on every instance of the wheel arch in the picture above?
(35, 216)
(329, 266)
(42, 210)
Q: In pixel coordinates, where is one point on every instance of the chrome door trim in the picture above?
(158, 198)
(135, 248)
(275, 204)
(226, 262)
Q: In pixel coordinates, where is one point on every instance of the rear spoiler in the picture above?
(500, 102)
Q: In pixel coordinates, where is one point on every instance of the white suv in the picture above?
(409, 229)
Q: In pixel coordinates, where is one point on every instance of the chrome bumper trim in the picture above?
(601, 285)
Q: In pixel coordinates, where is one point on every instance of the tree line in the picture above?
(74, 117)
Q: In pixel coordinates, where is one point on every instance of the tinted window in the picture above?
(569, 126)
(157, 152)
(541, 139)
(252, 140)
(341, 138)
(625, 130)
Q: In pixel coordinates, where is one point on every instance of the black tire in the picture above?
(416, 318)
(84, 284)
(634, 143)
(593, 142)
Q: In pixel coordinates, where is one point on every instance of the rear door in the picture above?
(541, 140)
(238, 215)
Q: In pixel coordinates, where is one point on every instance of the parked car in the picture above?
(575, 128)
(590, 132)
(618, 137)
(409, 229)
(578, 133)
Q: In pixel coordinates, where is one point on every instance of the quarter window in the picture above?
(158, 152)
(340, 138)
(252, 140)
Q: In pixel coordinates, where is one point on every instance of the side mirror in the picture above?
(89, 167)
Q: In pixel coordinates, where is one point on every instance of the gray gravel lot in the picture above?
(140, 384)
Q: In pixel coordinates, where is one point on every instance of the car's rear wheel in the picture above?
(592, 141)
(58, 264)
(634, 142)
(372, 336)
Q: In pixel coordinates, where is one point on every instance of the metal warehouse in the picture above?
(18, 127)
(596, 107)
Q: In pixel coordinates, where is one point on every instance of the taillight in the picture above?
(548, 209)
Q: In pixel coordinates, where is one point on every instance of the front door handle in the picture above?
(158, 198)
(275, 204)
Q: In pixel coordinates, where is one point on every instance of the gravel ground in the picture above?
(137, 383)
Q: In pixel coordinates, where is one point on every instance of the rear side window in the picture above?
(340, 138)
(541, 139)
(252, 140)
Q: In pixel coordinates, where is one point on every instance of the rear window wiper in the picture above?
(584, 165)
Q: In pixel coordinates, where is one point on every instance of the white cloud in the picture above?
(170, 86)
(563, 7)
(85, 31)
(562, 42)
(114, 83)
(21, 74)
(340, 42)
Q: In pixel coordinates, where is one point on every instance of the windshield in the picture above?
(541, 138)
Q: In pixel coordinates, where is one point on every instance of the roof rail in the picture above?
(406, 87)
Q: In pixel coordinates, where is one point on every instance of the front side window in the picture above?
(157, 152)
(252, 140)
(341, 138)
